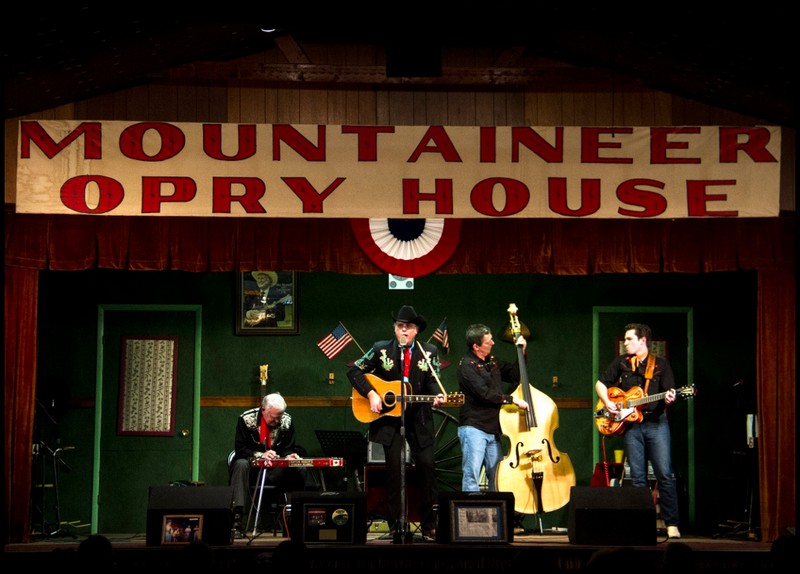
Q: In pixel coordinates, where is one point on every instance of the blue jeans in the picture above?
(651, 440)
(478, 449)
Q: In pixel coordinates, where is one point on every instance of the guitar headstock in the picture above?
(686, 392)
(454, 399)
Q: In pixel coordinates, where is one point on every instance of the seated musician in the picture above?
(265, 432)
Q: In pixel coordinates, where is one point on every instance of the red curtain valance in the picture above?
(547, 246)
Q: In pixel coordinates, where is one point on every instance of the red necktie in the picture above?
(406, 362)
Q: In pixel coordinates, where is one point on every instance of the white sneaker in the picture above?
(673, 532)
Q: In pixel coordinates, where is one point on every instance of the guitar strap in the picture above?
(648, 372)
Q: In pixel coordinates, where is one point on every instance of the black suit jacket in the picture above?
(383, 360)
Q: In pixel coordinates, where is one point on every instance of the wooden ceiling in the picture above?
(737, 63)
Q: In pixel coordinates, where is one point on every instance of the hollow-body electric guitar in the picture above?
(392, 397)
(629, 405)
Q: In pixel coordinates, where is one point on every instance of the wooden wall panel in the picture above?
(336, 107)
(288, 111)
(369, 103)
(252, 106)
(631, 108)
(313, 106)
(420, 108)
(515, 107)
(186, 104)
(437, 107)
(485, 108)
(401, 107)
(461, 108)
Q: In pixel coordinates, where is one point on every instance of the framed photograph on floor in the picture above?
(268, 303)
(182, 528)
(478, 521)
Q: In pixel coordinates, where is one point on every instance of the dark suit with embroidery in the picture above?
(384, 361)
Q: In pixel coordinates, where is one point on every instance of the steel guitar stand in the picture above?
(260, 482)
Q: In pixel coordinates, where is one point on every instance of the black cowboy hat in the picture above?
(408, 315)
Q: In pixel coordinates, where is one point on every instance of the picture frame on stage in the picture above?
(478, 520)
(182, 528)
(268, 303)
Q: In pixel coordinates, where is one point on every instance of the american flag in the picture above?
(333, 343)
(440, 334)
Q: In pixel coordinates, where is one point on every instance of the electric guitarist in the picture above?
(404, 358)
(649, 439)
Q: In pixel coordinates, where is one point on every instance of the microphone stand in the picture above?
(402, 534)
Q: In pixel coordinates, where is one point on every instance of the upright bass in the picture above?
(534, 470)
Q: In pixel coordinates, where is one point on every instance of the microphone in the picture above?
(403, 341)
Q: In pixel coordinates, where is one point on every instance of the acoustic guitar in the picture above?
(392, 397)
(629, 406)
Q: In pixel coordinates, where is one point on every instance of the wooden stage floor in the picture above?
(547, 552)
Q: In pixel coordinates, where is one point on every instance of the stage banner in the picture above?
(396, 172)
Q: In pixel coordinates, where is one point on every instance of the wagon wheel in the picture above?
(447, 454)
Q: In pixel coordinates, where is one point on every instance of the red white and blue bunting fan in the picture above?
(407, 247)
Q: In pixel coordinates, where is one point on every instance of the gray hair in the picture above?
(274, 400)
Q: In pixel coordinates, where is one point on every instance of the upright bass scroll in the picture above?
(539, 476)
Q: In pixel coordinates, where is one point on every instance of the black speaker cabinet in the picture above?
(472, 517)
(203, 510)
(329, 517)
(612, 515)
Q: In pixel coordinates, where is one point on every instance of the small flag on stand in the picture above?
(440, 334)
(333, 343)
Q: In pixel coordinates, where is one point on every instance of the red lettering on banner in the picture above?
(312, 200)
(212, 142)
(442, 196)
(755, 145)
(591, 145)
(557, 197)
(659, 144)
(443, 145)
(298, 142)
(131, 141)
(631, 193)
(697, 198)
(367, 140)
(34, 132)
(223, 197)
(184, 190)
(536, 143)
(516, 198)
(488, 145)
(73, 194)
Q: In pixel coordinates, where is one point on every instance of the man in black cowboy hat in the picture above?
(403, 358)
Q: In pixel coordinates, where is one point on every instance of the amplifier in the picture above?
(206, 509)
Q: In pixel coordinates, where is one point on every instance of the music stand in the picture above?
(349, 445)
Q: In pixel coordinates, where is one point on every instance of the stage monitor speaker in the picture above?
(209, 506)
(612, 515)
(472, 517)
(329, 517)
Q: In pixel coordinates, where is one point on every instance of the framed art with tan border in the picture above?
(267, 303)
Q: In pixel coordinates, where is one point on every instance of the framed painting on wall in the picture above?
(267, 303)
